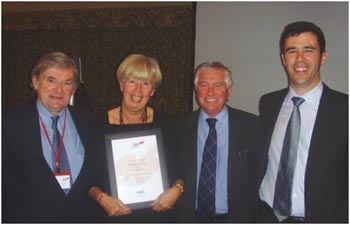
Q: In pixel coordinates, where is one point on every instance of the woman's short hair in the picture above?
(140, 67)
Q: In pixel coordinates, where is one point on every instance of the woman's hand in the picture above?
(113, 206)
(167, 199)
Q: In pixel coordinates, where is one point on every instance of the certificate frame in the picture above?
(127, 166)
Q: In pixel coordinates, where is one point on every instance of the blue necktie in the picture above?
(206, 186)
(63, 164)
(283, 189)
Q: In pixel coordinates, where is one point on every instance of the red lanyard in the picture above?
(59, 148)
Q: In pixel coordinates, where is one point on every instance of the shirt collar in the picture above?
(46, 114)
(314, 95)
(220, 116)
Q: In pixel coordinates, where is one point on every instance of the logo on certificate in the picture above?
(137, 144)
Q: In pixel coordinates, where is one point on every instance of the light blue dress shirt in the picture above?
(221, 127)
(308, 113)
(74, 148)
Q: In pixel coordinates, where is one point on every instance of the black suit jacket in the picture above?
(326, 178)
(243, 130)
(30, 192)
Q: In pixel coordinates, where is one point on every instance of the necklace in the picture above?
(121, 121)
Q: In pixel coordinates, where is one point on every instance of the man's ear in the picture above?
(324, 57)
(229, 92)
(282, 60)
(35, 82)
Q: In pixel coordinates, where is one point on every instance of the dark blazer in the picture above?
(30, 192)
(243, 130)
(326, 178)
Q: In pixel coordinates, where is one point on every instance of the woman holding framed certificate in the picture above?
(144, 178)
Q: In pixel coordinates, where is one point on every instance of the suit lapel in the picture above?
(272, 111)
(80, 125)
(35, 150)
(237, 154)
(233, 158)
(269, 111)
(82, 128)
(314, 144)
(319, 135)
(192, 139)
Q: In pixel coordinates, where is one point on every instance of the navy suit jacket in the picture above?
(243, 132)
(30, 192)
(326, 177)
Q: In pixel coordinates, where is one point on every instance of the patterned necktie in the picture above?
(206, 186)
(63, 163)
(283, 189)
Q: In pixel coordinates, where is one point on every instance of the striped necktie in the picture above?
(206, 186)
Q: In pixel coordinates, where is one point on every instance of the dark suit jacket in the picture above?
(30, 192)
(243, 130)
(326, 178)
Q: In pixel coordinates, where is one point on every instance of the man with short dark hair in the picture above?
(303, 174)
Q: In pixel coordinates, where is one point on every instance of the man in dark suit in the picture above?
(231, 198)
(39, 184)
(318, 190)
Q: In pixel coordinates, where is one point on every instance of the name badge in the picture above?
(63, 179)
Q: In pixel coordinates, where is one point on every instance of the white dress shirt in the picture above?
(308, 112)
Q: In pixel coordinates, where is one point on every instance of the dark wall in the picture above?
(102, 38)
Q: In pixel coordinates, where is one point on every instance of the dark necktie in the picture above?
(63, 163)
(283, 189)
(206, 186)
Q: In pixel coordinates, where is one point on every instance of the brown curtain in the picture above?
(102, 38)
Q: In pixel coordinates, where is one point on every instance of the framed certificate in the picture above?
(136, 166)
